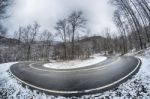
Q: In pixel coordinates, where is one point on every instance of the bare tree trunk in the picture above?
(28, 52)
(135, 20)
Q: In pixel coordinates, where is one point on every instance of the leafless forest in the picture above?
(30, 43)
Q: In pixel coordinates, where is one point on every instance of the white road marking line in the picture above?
(74, 92)
(106, 86)
(97, 68)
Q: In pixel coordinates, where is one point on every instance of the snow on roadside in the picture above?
(76, 63)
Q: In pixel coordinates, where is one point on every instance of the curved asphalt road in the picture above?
(75, 82)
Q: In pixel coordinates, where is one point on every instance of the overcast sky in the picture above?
(47, 12)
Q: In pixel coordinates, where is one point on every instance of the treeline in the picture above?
(132, 17)
(69, 31)
(37, 45)
(34, 44)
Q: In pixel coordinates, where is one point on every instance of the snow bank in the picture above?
(76, 63)
(141, 52)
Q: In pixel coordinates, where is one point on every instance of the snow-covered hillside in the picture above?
(136, 88)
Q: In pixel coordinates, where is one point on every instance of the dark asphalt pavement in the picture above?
(64, 82)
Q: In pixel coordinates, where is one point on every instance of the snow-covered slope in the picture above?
(76, 63)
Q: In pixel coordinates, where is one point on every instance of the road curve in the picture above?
(75, 82)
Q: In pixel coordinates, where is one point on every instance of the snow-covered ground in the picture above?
(136, 88)
(76, 63)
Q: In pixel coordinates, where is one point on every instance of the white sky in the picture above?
(47, 12)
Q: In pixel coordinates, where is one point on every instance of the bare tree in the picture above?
(61, 28)
(18, 34)
(3, 8)
(28, 36)
(120, 25)
(46, 39)
(4, 4)
(77, 21)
